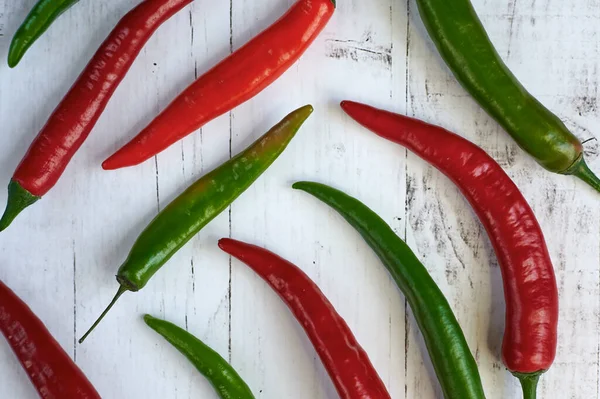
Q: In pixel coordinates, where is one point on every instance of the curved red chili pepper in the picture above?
(49, 367)
(76, 115)
(346, 362)
(233, 81)
(530, 290)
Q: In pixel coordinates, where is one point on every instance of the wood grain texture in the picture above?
(62, 253)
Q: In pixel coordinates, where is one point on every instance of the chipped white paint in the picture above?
(61, 254)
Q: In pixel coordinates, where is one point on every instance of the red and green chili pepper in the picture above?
(235, 80)
(452, 360)
(465, 46)
(43, 14)
(346, 362)
(530, 290)
(48, 366)
(199, 204)
(226, 381)
(72, 121)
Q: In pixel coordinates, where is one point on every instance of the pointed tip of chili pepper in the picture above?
(318, 190)
(121, 291)
(581, 170)
(114, 162)
(354, 109)
(15, 53)
(159, 325)
(303, 112)
(347, 103)
(303, 185)
(224, 243)
(229, 246)
(18, 200)
(12, 62)
(155, 323)
(127, 156)
(151, 321)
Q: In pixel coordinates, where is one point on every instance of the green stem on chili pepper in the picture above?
(43, 14)
(581, 170)
(21, 199)
(529, 384)
(122, 289)
(175, 225)
(452, 360)
(226, 381)
(468, 51)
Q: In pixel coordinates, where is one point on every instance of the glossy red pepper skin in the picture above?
(77, 114)
(233, 81)
(49, 367)
(531, 294)
(346, 362)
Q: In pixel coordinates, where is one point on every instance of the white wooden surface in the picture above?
(62, 253)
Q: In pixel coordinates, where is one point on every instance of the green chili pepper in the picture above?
(465, 46)
(452, 360)
(225, 380)
(43, 14)
(175, 225)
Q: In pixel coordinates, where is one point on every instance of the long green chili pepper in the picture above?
(43, 14)
(225, 380)
(452, 360)
(465, 46)
(175, 225)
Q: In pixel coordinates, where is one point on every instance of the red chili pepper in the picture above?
(530, 291)
(233, 81)
(75, 117)
(48, 366)
(346, 362)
